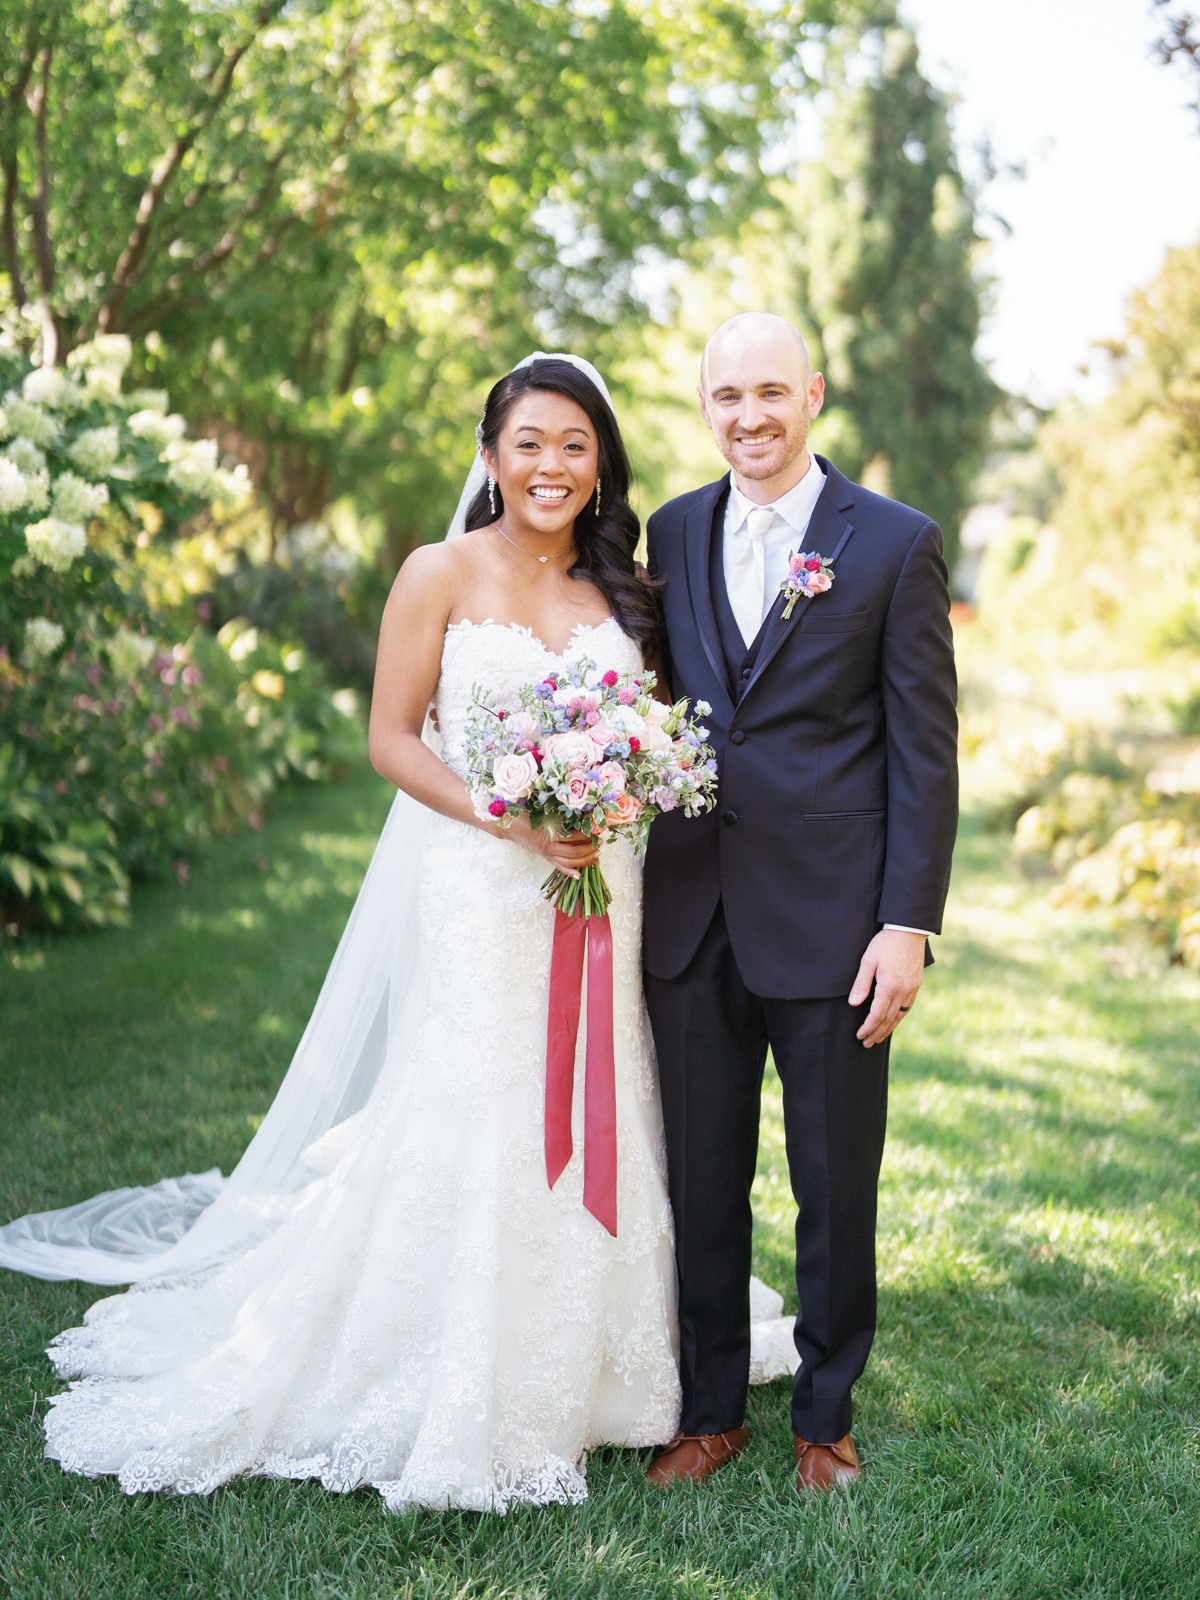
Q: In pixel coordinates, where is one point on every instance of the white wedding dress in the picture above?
(428, 1317)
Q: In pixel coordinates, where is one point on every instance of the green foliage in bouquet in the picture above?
(128, 732)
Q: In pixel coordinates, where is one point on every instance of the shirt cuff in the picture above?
(898, 927)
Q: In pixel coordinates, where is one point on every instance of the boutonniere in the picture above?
(809, 574)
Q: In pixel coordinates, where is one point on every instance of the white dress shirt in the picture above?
(793, 512)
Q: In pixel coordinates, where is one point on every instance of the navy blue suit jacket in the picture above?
(838, 797)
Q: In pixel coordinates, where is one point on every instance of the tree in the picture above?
(328, 220)
(1115, 579)
(1180, 43)
(883, 230)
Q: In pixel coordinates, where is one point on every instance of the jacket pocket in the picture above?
(838, 816)
(816, 621)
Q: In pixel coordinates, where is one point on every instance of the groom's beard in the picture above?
(787, 448)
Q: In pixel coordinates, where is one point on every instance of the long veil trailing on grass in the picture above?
(371, 997)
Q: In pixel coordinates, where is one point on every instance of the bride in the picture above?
(386, 1291)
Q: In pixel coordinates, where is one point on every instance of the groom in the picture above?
(805, 894)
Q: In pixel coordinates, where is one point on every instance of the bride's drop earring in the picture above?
(597, 494)
(492, 493)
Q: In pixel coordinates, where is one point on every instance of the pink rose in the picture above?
(514, 776)
(818, 583)
(575, 793)
(624, 809)
(576, 749)
(612, 776)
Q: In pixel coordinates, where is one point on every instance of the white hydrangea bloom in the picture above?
(37, 490)
(13, 487)
(96, 451)
(232, 488)
(150, 400)
(56, 544)
(30, 421)
(158, 430)
(130, 653)
(26, 455)
(102, 383)
(192, 465)
(76, 500)
(47, 386)
(42, 637)
(113, 351)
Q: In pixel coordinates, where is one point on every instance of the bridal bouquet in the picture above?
(586, 751)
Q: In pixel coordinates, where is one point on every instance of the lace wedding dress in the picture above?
(429, 1318)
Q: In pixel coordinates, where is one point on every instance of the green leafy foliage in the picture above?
(888, 282)
(331, 222)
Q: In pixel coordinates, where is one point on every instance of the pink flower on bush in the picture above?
(157, 797)
(94, 673)
(192, 675)
(83, 702)
(182, 870)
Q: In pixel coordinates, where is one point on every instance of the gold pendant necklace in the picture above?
(553, 556)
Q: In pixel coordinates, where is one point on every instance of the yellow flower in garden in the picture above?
(268, 684)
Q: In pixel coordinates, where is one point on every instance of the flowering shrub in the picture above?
(128, 733)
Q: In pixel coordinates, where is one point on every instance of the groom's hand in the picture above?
(894, 962)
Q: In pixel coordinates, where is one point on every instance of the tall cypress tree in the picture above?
(889, 281)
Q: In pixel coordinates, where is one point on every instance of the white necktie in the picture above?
(746, 575)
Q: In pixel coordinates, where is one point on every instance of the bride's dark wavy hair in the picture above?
(604, 543)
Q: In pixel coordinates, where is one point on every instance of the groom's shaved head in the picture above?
(737, 334)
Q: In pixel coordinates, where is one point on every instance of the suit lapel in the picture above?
(697, 546)
(828, 530)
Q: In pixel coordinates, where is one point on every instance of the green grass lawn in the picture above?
(1030, 1419)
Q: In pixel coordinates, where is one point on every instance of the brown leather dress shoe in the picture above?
(695, 1455)
(824, 1466)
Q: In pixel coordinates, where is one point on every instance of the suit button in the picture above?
(729, 817)
(746, 671)
(737, 737)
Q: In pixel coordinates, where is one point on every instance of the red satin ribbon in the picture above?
(572, 936)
